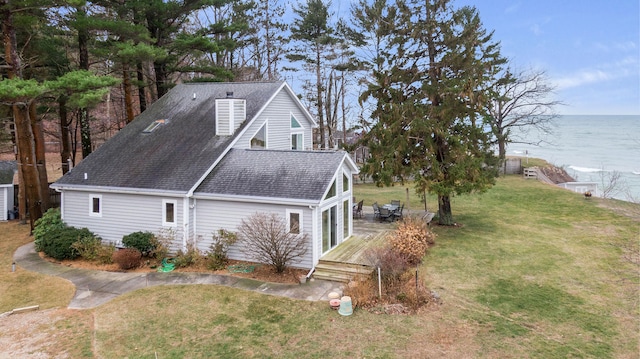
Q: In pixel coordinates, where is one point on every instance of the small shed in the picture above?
(581, 187)
(8, 170)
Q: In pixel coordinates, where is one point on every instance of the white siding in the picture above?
(215, 215)
(122, 214)
(278, 114)
(6, 199)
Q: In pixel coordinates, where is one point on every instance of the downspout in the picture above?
(195, 236)
(314, 235)
(185, 223)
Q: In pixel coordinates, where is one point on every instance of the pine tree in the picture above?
(429, 92)
(316, 36)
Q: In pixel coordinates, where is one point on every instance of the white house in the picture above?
(207, 155)
(8, 170)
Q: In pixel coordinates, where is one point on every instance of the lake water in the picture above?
(593, 148)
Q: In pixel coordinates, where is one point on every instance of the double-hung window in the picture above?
(169, 212)
(294, 221)
(95, 205)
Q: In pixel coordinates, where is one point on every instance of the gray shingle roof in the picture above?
(304, 175)
(177, 154)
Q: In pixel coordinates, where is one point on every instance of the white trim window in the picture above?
(297, 135)
(169, 212)
(95, 205)
(346, 185)
(259, 139)
(297, 141)
(294, 221)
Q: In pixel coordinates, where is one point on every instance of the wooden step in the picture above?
(340, 272)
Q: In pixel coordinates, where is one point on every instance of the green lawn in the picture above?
(531, 271)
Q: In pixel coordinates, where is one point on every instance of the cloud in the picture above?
(625, 67)
(581, 78)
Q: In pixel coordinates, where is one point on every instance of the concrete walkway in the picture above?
(94, 288)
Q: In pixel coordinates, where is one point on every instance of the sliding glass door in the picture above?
(329, 229)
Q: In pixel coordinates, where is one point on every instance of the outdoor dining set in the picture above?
(387, 212)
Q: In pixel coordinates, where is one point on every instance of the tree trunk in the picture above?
(83, 53)
(128, 96)
(40, 159)
(161, 78)
(65, 143)
(142, 99)
(85, 132)
(445, 217)
(319, 96)
(26, 162)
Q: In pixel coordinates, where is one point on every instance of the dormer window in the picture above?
(230, 114)
(154, 125)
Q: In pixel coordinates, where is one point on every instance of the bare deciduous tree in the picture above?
(611, 183)
(522, 102)
(265, 238)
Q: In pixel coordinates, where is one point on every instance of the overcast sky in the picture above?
(589, 49)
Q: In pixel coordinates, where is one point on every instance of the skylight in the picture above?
(155, 124)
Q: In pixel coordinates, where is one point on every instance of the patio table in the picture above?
(391, 207)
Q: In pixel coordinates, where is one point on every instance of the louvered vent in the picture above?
(230, 114)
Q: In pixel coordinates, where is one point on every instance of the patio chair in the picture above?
(385, 214)
(376, 210)
(357, 209)
(428, 217)
(395, 202)
(397, 215)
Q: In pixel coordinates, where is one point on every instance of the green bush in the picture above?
(49, 222)
(58, 243)
(143, 241)
(127, 258)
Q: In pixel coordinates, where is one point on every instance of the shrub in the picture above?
(127, 258)
(49, 222)
(392, 264)
(187, 259)
(161, 242)
(217, 255)
(104, 254)
(58, 243)
(265, 239)
(142, 241)
(88, 247)
(412, 239)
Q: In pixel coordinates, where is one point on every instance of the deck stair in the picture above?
(340, 272)
(348, 260)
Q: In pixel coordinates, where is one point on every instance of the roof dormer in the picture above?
(230, 114)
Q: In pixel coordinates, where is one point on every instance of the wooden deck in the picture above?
(348, 259)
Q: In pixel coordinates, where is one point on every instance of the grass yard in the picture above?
(531, 272)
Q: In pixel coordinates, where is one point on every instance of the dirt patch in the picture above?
(261, 272)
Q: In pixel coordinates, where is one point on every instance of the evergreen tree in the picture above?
(429, 91)
(20, 23)
(316, 36)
